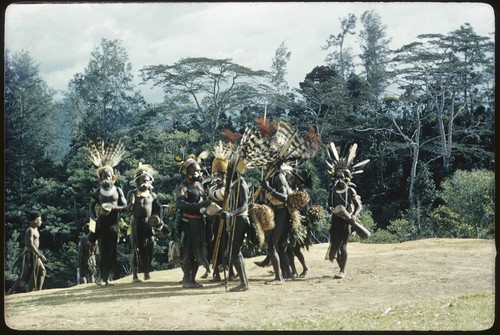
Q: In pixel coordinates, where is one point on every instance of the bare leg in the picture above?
(273, 243)
(237, 257)
(298, 253)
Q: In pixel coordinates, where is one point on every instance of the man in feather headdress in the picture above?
(190, 200)
(238, 225)
(147, 215)
(344, 204)
(278, 190)
(106, 203)
(216, 193)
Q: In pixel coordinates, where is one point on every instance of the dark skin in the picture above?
(215, 194)
(239, 222)
(107, 224)
(341, 228)
(277, 238)
(190, 199)
(295, 251)
(143, 203)
(86, 259)
(33, 270)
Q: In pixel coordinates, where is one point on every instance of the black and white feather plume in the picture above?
(344, 164)
(101, 156)
(275, 144)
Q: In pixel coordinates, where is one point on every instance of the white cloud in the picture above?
(60, 37)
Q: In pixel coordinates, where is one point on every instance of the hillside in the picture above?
(379, 277)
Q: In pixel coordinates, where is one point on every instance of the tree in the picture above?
(279, 98)
(278, 72)
(341, 58)
(471, 195)
(375, 52)
(29, 131)
(103, 97)
(443, 70)
(324, 99)
(214, 85)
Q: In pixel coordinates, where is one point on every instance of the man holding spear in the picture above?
(236, 216)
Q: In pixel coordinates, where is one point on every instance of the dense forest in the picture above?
(423, 114)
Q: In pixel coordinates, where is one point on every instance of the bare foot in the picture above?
(275, 282)
(191, 285)
(239, 288)
(340, 275)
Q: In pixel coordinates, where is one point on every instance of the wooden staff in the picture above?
(222, 221)
(233, 227)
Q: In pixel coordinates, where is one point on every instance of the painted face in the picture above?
(194, 172)
(144, 183)
(221, 178)
(107, 180)
(339, 181)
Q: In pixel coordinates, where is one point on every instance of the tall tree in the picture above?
(29, 112)
(325, 101)
(375, 52)
(103, 96)
(444, 70)
(279, 99)
(215, 86)
(279, 69)
(342, 57)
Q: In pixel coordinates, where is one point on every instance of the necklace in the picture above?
(109, 192)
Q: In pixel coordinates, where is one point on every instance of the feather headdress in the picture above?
(222, 154)
(191, 159)
(144, 169)
(344, 167)
(274, 144)
(105, 157)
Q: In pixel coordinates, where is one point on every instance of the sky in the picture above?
(61, 37)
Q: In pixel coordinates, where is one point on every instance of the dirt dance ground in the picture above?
(379, 277)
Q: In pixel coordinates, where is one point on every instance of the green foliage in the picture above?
(28, 122)
(47, 166)
(382, 236)
(448, 223)
(103, 96)
(13, 250)
(61, 266)
(217, 86)
(403, 229)
(471, 196)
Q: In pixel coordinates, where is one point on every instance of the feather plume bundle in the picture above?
(101, 156)
(344, 163)
(262, 215)
(298, 199)
(296, 219)
(315, 212)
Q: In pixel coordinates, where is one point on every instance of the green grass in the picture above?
(468, 312)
